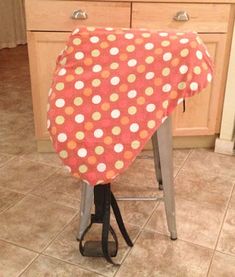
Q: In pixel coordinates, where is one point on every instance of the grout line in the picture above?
(25, 269)
(221, 227)
(183, 163)
(227, 254)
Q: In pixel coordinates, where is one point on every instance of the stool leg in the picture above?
(87, 199)
(164, 136)
(156, 158)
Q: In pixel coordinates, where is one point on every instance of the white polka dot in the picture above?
(79, 85)
(134, 127)
(48, 123)
(166, 88)
(96, 99)
(82, 152)
(115, 113)
(62, 72)
(98, 133)
(79, 118)
(132, 62)
(108, 28)
(149, 46)
(184, 40)
(62, 137)
(114, 51)
(115, 81)
(209, 77)
(132, 93)
(94, 39)
(79, 55)
(180, 100)
(167, 56)
(163, 34)
(68, 168)
(150, 108)
(60, 103)
(207, 53)
(199, 54)
(164, 118)
(50, 92)
(97, 68)
(183, 69)
(194, 86)
(75, 31)
(149, 75)
(101, 167)
(129, 36)
(118, 147)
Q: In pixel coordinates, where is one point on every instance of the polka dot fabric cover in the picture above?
(113, 88)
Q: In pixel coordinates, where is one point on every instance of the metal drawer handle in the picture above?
(181, 16)
(79, 15)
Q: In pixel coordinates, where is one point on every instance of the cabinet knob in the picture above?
(79, 15)
(181, 16)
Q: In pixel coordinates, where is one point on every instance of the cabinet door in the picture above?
(203, 111)
(43, 47)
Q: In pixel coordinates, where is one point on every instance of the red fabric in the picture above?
(112, 89)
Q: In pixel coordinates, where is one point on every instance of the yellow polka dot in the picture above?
(77, 101)
(77, 41)
(132, 110)
(99, 150)
(80, 135)
(130, 48)
(182, 85)
(166, 71)
(114, 97)
(149, 91)
(79, 70)
(90, 28)
(146, 35)
(96, 82)
(96, 116)
(119, 164)
(151, 124)
(95, 53)
(135, 144)
(59, 120)
(63, 61)
(197, 70)
(63, 154)
(165, 43)
(131, 78)
(184, 52)
(83, 168)
(111, 37)
(59, 86)
(114, 65)
(149, 59)
(116, 130)
(165, 104)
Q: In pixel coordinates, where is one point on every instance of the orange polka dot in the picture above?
(108, 140)
(193, 44)
(87, 91)
(88, 61)
(109, 174)
(158, 51)
(124, 120)
(159, 114)
(139, 41)
(105, 74)
(71, 144)
(104, 44)
(123, 88)
(173, 94)
(91, 160)
(53, 130)
(105, 106)
(123, 57)
(175, 62)
(53, 96)
(76, 175)
(128, 155)
(70, 49)
(69, 110)
(140, 100)
(140, 68)
(189, 77)
(88, 126)
(157, 81)
(143, 134)
(204, 65)
(69, 78)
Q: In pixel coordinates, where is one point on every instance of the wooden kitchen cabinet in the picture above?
(49, 23)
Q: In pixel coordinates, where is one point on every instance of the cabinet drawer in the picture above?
(202, 17)
(51, 15)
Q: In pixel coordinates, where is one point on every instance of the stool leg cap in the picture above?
(160, 186)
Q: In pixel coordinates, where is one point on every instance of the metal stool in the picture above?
(163, 160)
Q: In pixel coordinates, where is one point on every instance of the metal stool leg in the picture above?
(87, 199)
(156, 157)
(164, 136)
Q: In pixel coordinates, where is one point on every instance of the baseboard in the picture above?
(224, 146)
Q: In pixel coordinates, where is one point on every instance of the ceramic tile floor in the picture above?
(39, 204)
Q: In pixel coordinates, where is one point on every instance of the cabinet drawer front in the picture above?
(51, 15)
(202, 17)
